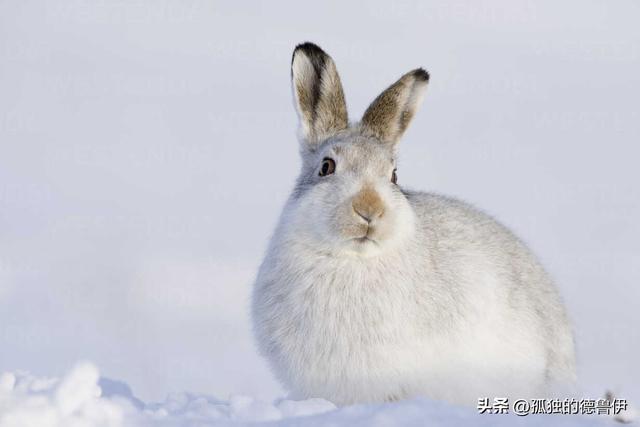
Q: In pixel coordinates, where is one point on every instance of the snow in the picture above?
(83, 399)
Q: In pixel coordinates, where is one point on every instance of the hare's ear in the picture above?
(390, 113)
(318, 94)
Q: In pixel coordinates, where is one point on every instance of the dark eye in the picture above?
(328, 167)
(394, 176)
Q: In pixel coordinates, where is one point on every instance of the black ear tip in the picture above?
(310, 49)
(421, 74)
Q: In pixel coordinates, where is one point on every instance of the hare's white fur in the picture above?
(436, 299)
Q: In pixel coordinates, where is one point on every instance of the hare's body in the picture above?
(472, 315)
(371, 293)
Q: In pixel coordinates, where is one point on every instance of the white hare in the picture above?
(370, 292)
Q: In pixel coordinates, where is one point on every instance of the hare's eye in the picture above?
(394, 176)
(328, 167)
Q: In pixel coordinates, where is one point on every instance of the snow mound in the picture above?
(83, 399)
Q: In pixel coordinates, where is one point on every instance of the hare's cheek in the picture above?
(392, 227)
(403, 224)
(343, 223)
(383, 230)
(337, 221)
(351, 229)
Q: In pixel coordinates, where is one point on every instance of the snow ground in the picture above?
(83, 399)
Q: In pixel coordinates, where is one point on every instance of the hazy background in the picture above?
(146, 148)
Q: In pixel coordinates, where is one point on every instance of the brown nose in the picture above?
(368, 204)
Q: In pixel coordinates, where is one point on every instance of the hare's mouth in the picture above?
(363, 246)
(364, 240)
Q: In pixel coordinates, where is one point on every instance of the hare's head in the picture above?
(347, 198)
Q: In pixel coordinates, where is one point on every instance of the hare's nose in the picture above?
(368, 204)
